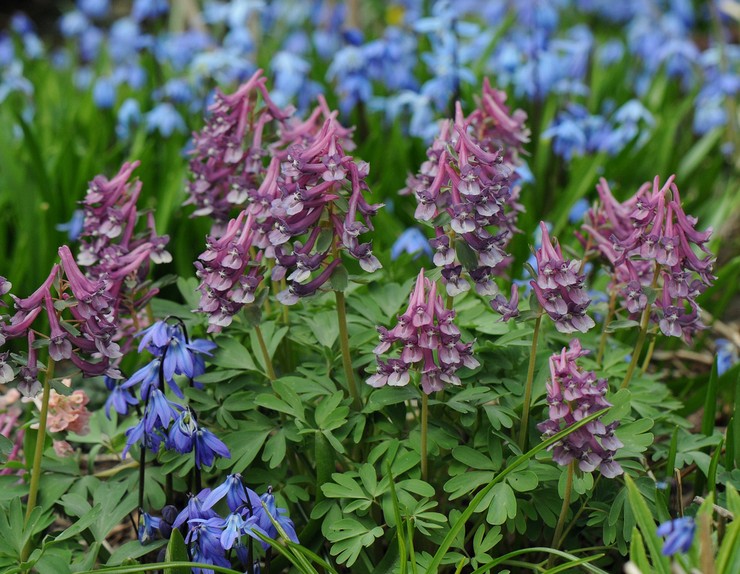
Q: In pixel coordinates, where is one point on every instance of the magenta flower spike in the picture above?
(559, 288)
(652, 244)
(572, 395)
(430, 343)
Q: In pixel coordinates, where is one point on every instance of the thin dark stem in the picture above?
(528, 386)
(142, 476)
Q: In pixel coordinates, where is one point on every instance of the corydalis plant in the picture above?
(294, 216)
(466, 190)
(112, 250)
(559, 287)
(228, 163)
(572, 395)
(430, 343)
(652, 244)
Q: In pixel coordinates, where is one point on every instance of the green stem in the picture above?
(265, 353)
(638, 346)
(424, 435)
(528, 387)
(39, 452)
(563, 513)
(344, 342)
(609, 316)
(649, 355)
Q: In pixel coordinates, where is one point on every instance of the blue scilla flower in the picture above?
(159, 412)
(155, 338)
(194, 509)
(119, 398)
(678, 534)
(279, 515)
(7, 50)
(138, 434)
(12, 80)
(148, 377)
(236, 493)
(126, 39)
(165, 119)
(579, 210)
(180, 436)
(90, 41)
(74, 226)
(233, 526)
(104, 93)
(411, 241)
(727, 355)
(206, 446)
(129, 116)
(95, 9)
(148, 528)
(149, 9)
(21, 24)
(73, 24)
(204, 538)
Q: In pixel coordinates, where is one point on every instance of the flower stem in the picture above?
(563, 512)
(648, 355)
(39, 452)
(528, 386)
(638, 346)
(265, 353)
(344, 342)
(609, 317)
(424, 435)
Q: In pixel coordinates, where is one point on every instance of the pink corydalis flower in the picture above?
(650, 233)
(469, 180)
(559, 288)
(572, 395)
(430, 343)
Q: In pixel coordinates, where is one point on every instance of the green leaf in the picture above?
(473, 458)
(6, 447)
(176, 552)
(86, 520)
(503, 505)
(523, 481)
(647, 526)
(513, 465)
(233, 355)
(348, 537)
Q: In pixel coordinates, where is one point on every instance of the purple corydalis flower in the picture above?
(469, 177)
(508, 309)
(559, 287)
(424, 330)
(650, 242)
(572, 395)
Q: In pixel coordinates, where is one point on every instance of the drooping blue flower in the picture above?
(207, 446)
(155, 338)
(90, 41)
(149, 9)
(95, 9)
(119, 398)
(138, 433)
(411, 241)
(579, 210)
(104, 93)
(678, 534)
(204, 538)
(160, 411)
(236, 494)
(194, 509)
(148, 528)
(727, 355)
(129, 116)
(233, 525)
(148, 377)
(73, 24)
(165, 119)
(74, 226)
(279, 515)
(180, 436)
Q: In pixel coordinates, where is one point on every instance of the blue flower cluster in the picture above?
(162, 420)
(212, 538)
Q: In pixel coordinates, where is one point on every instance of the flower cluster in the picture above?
(112, 251)
(291, 216)
(572, 395)
(164, 421)
(650, 241)
(211, 538)
(469, 177)
(228, 153)
(10, 414)
(431, 342)
(559, 287)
